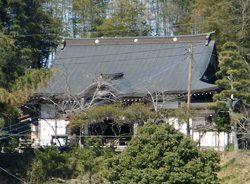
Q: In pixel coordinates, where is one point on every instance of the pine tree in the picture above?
(234, 82)
(234, 72)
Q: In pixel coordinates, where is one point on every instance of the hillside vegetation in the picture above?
(235, 168)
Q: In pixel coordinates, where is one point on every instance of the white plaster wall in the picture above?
(208, 139)
(182, 127)
(47, 129)
(211, 139)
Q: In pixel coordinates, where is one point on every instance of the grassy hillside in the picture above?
(235, 168)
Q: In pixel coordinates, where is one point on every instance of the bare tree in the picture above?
(242, 121)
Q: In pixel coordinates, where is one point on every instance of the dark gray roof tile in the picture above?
(152, 66)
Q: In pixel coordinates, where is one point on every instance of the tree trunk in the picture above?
(90, 175)
(218, 141)
(234, 128)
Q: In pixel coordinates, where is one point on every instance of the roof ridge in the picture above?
(140, 37)
(137, 40)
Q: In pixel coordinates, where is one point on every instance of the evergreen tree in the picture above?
(125, 18)
(87, 161)
(48, 163)
(169, 17)
(88, 16)
(219, 15)
(234, 72)
(234, 83)
(25, 44)
(16, 82)
(214, 15)
(160, 154)
(62, 11)
(240, 27)
(32, 28)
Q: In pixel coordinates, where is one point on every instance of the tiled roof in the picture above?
(130, 65)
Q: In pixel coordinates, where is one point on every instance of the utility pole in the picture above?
(189, 88)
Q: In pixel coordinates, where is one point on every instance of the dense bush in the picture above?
(160, 154)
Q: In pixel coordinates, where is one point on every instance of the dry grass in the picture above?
(235, 168)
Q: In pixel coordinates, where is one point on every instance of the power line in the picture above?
(168, 27)
(155, 75)
(108, 61)
(37, 34)
(141, 82)
(14, 129)
(120, 60)
(148, 72)
(20, 122)
(13, 175)
(14, 134)
(132, 52)
(149, 78)
(132, 66)
(119, 30)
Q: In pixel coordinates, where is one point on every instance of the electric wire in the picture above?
(15, 129)
(117, 54)
(121, 60)
(20, 122)
(128, 60)
(12, 175)
(121, 83)
(116, 30)
(146, 74)
(72, 63)
(104, 61)
(141, 82)
(15, 134)
(132, 86)
(131, 52)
